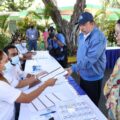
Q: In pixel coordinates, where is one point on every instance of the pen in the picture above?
(47, 113)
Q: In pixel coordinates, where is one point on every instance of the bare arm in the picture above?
(26, 98)
(26, 82)
(31, 80)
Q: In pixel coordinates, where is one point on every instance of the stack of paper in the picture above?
(80, 108)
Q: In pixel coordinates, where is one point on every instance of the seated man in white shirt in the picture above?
(15, 76)
(22, 49)
(19, 78)
(9, 95)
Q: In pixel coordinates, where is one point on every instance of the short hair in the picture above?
(9, 47)
(51, 29)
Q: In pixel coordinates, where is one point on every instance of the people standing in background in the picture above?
(45, 37)
(32, 35)
(91, 58)
(112, 86)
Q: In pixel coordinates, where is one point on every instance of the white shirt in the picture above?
(8, 96)
(85, 36)
(15, 75)
(22, 49)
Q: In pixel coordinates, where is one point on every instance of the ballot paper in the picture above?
(46, 101)
(41, 55)
(40, 103)
(55, 73)
(80, 108)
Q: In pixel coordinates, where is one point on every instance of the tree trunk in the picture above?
(68, 28)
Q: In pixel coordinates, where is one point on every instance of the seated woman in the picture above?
(112, 86)
(10, 95)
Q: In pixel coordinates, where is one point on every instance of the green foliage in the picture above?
(4, 40)
(72, 52)
(105, 24)
(15, 5)
(32, 17)
(48, 10)
(3, 22)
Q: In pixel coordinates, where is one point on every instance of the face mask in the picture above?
(24, 44)
(15, 60)
(8, 67)
(17, 45)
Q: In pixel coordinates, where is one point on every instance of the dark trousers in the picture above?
(63, 63)
(17, 110)
(92, 89)
(23, 65)
(32, 45)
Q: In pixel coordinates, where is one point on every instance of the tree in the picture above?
(15, 5)
(3, 22)
(102, 16)
(68, 28)
(114, 3)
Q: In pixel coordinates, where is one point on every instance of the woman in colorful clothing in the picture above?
(112, 86)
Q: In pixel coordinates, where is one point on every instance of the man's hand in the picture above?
(28, 55)
(34, 83)
(69, 70)
(54, 38)
(50, 82)
(41, 73)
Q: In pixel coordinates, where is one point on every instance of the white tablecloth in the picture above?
(62, 89)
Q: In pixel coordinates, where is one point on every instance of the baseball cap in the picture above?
(84, 18)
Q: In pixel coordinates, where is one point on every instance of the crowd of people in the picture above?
(90, 66)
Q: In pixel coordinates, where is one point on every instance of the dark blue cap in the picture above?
(84, 18)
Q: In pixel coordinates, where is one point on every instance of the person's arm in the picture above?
(59, 40)
(30, 79)
(26, 82)
(26, 98)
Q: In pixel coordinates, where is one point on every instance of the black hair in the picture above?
(51, 35)
(51, 29)
(9, 47)
(118, 22)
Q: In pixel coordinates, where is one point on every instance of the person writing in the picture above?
(10, 95)
(19, 78)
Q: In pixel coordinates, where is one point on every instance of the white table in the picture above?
(62, 89)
